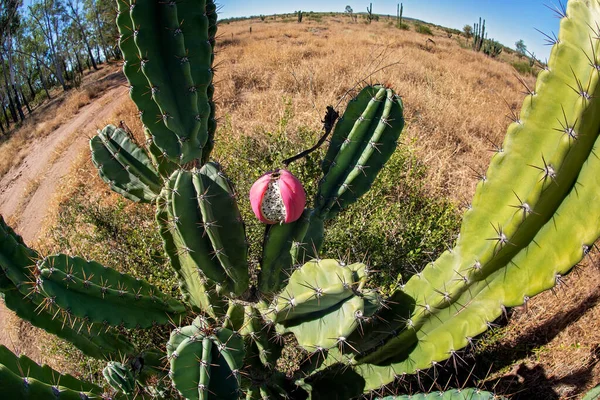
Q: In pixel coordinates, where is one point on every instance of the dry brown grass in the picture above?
(49, 116)
(455, 99)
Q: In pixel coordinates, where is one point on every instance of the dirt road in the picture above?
(48, 161)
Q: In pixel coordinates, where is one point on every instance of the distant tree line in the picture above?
(49, 44)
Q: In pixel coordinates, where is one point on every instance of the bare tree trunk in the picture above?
(44, 85)
(25, 100)
(5, 114)
(11, 104)
(107, 54)
(79, 67)
(66, 73)
(18, 103)
(75, 17)
(31, 89)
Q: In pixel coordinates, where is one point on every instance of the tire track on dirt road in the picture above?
(49, 160)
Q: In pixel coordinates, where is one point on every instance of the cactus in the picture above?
(526, 227)
(593, 394)
(24, 379)
(491, 48)
(124, 166)
(479, 35)
(399, 15)
(453, 394)
(119, 377)
(370, 13)
(300, 16)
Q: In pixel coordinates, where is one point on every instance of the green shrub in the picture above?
(523, 67)
(423, 29)
(401, 226)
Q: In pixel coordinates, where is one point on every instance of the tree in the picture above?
(521, 48)
(468, 31)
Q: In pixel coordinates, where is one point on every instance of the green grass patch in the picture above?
(423, 29)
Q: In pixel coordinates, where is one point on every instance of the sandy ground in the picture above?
(48, 161)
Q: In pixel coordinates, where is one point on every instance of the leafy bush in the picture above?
(523, 67)
(423, 29)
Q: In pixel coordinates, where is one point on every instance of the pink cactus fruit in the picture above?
(277, 197)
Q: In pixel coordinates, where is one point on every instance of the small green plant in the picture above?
(523, 67)
(423, 29)
(527, 226)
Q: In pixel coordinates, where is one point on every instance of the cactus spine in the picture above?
(527, 226)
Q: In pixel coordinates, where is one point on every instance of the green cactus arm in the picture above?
(326, 329)
(179, 334)
(261, 345)
(558, 246)
(23, 366)
(165, 63)
(16, 260)
(18, 387)
(195, 289)
(206, 367)
(314, 287)
(593, 394)
(363, 140)
(310, 244)
(451, 394)
(223, 223)
(526, 182)
(62, 285)
(165, 147)
(188, 221)
(211, 12)
(531, 244)
(231, 348)
(17, 263)
(235, 316)
(92, 339)
(95, 275)
(124, 166)
(474, 257)
(119, 377)
(277, 261)
(196, 19)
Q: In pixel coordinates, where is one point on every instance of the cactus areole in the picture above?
(277, 197)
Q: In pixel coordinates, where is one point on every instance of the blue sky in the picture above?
(506, 20)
